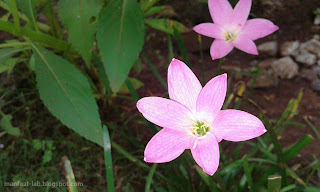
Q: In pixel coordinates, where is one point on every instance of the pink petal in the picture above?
(220, 48)
(210, 30)
(206, 153)
(220, 11)
(245, 44)
(164, 112)
(211, 98)
(167, 145)
(258, 28)
(236, 125)
(241, 13)
(184, 87)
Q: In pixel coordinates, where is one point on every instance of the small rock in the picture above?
(316, 85)
(266, 64)
(288, 48)
(264, 80)
(285, 68)
(315, 29)
(313, 46)
(318, 63)
(316, 70)
(316, 37)
(317, 20)
(308, 74)
(268, 49)
(1, 146)
(304, 57)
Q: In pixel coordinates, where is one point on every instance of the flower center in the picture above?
(199, 128)
(229, 36)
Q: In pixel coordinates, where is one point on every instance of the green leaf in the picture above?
(5, 123)
(274, 183)
(8, 65)
(28, 7)
(165, 25)
(80, 18)
(120, 39)
(293, 150)
(135, 83)
(47, 157)
(9, 52)
(67, 94)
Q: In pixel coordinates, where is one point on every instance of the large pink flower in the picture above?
(232, 29)
(192, 119)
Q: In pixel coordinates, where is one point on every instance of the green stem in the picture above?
(15, 44)
(278, 149)
(221, 61)
(149, 178)
(201, 59)
(41, 26)
(44, 39)
(134, 160)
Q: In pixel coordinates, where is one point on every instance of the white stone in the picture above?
(304, 57)
(285, 68)
(289, 47)
(313, 46)
(269, 48)
(317, 20)
(266, 64)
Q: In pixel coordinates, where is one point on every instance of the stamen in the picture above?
(199, 128)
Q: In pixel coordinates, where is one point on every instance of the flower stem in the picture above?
(221, 61)
(201, 58)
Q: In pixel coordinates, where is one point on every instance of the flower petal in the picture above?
(164, 112)
(167, 145)
(258, 28)
(245, 44)
(211, 98)
(220, 48)
(206, 153)
(210, 30)
(220, 11)
(184, 87)
(241, 13)
(236, 125)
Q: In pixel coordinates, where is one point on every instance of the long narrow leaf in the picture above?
(108, 159)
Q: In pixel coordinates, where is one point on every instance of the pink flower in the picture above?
(232, 29)
(192, 119)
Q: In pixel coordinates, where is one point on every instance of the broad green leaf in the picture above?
(5, 123)
(8, 65)
(165, 25)
(120, 39)
(80, 18)
(293, 150)
(9, 52)
(28, 7)
(67, 94)
(135, 83)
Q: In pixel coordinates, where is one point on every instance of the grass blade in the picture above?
(274, 183)
(133, 92)
(108, 159)
(297, 147)
(149, 178)
(155, 71)
(247, 172)
(72, 184)
(182, 47)
(312, 126)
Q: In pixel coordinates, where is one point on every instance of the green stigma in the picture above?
(229, 36)
(199, 128)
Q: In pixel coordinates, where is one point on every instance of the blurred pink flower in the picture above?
(192, 119)
(232, 29)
